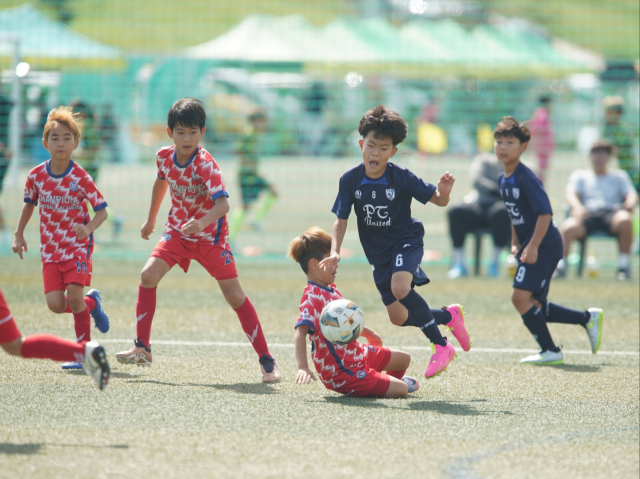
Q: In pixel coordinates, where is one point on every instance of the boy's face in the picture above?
(186, 139)
(60, 143)
(376, 153)
(320, 276)
(508, 149)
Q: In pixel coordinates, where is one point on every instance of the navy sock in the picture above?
(535, 322)
(442, 315)
(421, 317)
(559, 314)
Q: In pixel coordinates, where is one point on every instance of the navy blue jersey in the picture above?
(525, 199)
(383, 208)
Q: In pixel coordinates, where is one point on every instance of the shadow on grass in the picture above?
(154, 382)
(118, 375)
(576, 368)
(242, 388)
(371, 403)
(28, 449)
(451, 408)
(24, 449)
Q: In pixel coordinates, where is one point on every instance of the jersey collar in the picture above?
(331, 290)
(48, 166)
(175, 160)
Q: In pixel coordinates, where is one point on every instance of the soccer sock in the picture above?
(264, 207)
(535, 322)
(496, 254)
(235, 221)
(396, 374)
(559, 314)
(623, 261)
(145, 309)
(458, 256)
(47, 346)
(88, 300)
(442, 315)
(82, 324)
(421, 317)
(252, 328)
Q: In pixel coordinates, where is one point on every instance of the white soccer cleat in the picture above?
(138, 355)
(594, 328)
(546, 358)
(95, 364)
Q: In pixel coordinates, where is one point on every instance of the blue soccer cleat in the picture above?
(99, 316)
(71, 365)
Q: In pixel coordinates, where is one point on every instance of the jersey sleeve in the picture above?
(344, 200)
(31, 190)
(93, 195)
(575, 183)
(419, 189)
(626, 184)
(307, 315)
(212, 177)
(536, 196)
(159, 161)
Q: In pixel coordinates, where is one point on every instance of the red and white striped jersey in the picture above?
(336, 365)
(194, 188)
(62, 201)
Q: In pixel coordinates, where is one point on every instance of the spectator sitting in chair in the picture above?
(601, 199)
(482, 208)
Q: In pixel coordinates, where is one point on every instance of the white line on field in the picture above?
(413, 348)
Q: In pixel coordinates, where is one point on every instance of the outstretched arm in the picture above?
(157, 194)
(304, 375)
(445, 185)
(371, 336)
(339, 229)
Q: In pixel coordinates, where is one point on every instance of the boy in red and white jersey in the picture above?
(90, 354)
(62, 189)
(355, 369)
(196, 229)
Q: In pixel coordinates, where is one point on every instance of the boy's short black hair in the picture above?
(187, 112)
(509, 126)
(602, 145)
(257, 116)
(384, 123)
(545, 99)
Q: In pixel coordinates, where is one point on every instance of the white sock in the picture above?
(458, 256)
(623, 260)
(496, 254)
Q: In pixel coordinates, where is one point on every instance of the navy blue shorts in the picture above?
(406, 258)
(535, 277)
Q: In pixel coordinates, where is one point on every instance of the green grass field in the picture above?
(201, 410)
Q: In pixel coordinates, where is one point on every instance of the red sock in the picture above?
(251, 326)
(145, 309)
(47, 346)
(82, 323)
(88, 300)
(396, 374)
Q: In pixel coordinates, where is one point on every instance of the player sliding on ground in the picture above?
(62, 188)
(355, 369)
(197, 229)
(89, 354)
(537, 245)
(381, 194)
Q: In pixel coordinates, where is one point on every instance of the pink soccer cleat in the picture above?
(457, 327)
(440, 359)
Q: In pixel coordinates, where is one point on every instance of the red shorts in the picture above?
(8, 330)
(58, 275)
(370, 381)
(216, 259)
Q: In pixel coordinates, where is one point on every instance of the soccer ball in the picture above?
(341, 321)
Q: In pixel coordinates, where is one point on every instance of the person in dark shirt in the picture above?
(381, 194)
(537, 245)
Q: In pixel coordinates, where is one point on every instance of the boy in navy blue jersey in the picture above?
(381, 195)
(537, 245)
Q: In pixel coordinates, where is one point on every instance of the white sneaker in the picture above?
(594, 328)
(544, 357)
(95, 364)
